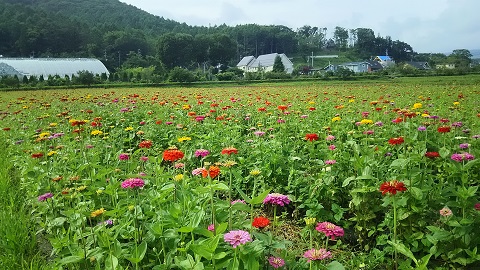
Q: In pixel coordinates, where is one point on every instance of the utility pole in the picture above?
(312, 59)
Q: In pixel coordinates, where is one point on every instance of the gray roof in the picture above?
(265, 60)
(54, 66)
(245, 61)
(6, 70)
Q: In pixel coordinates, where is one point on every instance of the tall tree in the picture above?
(278, 65)
(341, 37)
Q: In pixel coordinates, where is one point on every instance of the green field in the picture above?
(137, 177)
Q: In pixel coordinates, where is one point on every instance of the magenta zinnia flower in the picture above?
(329, 229)
(133, 183)
(201, 153)
(236, 238)
(45, 196)
(276, 199)
(317, 254)
(276, 262)
(123, 156)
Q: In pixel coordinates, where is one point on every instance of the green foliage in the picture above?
(278, 66)
(178, 74)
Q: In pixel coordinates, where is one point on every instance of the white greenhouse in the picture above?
(50, 66)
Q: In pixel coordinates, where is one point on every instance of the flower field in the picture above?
(369, 175)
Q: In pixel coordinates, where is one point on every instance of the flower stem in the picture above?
(395, 229)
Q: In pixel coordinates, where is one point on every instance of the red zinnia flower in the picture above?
(392, 187)
(443, 129)
(432, 154)
(229, 151)
(282, 107)
(260, 222)
(395, 141)
(213, 171)
(37, 155)
(311, 137)
(145, 144)
(172, 155)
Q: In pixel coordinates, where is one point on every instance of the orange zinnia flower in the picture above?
(260, 222)
(213, 171)
(172, 155)
(229, 151)
(145, 144)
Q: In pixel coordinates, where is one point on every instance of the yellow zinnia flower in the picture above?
(310, 220)
(255, 172)
(128, 128)
(182, 139)
(366, 121)
(98, 212)
(178, 177)
(96, 132)
(417, 105)
(336, 118)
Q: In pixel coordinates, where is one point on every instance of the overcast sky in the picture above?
(426, 25)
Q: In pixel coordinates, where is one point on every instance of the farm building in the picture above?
(384, 60)
(264, 62)
(49, 66)
(365, 66)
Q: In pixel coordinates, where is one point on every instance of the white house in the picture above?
(264, 62)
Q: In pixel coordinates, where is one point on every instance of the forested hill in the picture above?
(111, 14)
(122, 35)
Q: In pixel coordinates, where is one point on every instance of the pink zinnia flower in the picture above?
(332, 147)
(211, 227)
(123, 156)
(276, 199)
(330, 161)
(276, 262)
(45, 196)
(236, 238)
(317, 254)
(477, 206)
(446, 212)
(330, 138)
(329, 229)
(197, 171)
(133, 183)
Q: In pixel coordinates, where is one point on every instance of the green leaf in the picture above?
(404, 250)
(138, 252)
(186, 229)
(335, 265)
(399, 163)
(423, 262)
(189, 263)
(259, 199)
(71, 259)
(347, 181)
(444, 152)
(243, 195)
(416, 193)
(111, 262)
(206, 248)
(221, 228)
